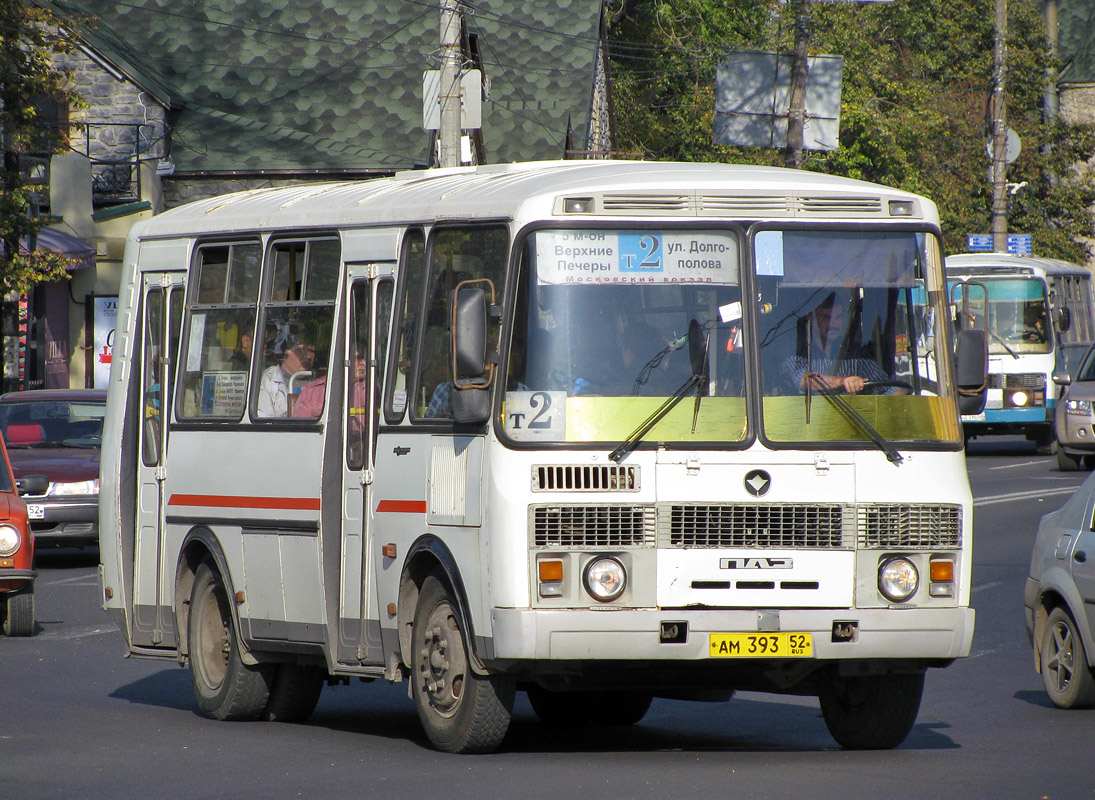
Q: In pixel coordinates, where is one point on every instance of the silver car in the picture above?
(1073, 417)
(1061, 625)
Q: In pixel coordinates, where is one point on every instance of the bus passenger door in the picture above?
(369, 292)
(160, 321)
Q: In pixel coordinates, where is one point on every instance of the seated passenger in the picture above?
(273, 394)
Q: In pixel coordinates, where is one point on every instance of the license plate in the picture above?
(781, 644)
(35, 511)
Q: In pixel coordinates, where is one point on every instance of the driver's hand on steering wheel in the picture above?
(853, 384)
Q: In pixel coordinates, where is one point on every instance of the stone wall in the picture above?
(121, 126)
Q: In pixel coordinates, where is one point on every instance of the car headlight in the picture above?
(898, 579)
(605, 579)
(76, 487)
(1082, 407)
(10, 540)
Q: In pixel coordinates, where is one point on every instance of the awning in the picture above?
(57, 241)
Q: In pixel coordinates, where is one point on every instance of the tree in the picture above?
(30, 38)
(914, 112)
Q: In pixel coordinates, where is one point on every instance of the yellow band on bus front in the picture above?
(781, 644)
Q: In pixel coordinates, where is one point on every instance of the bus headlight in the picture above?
(898, 579)
(10, 539)
(605, 579)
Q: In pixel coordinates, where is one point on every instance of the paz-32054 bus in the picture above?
(596, 431)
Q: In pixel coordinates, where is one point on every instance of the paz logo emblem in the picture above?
(757, 482)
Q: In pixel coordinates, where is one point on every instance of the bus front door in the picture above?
(369, 294)
(160, 320)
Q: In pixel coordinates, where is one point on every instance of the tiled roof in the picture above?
(337, 84)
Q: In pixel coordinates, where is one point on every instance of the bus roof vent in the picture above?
(585, 478)
(661, 203)
(841, 205)
(744, 205)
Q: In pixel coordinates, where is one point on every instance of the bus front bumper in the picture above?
(683, 634)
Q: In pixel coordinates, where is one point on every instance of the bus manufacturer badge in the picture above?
(757, 482)
(756, 563)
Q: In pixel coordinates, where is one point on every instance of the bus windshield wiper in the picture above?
(628, 444)
(697, 356)
(857, 419)
(1004, 344)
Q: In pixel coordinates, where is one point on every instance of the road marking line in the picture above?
(1009, 498)
(1024, 464)
(988, 585)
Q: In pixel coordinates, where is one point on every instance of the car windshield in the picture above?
(52, 423)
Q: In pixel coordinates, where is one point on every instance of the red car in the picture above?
(16, 556)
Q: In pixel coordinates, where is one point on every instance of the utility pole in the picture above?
(796, 111)
(999, 132)
(451, 61)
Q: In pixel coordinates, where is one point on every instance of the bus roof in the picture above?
(508, 191)
(1004, 262)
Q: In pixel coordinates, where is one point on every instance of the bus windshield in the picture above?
(849, 314)
(601, 337)
(1016, 316)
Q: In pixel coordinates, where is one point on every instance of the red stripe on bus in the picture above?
(234, 501)
(402, 506)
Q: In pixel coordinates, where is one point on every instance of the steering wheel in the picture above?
(868, 385)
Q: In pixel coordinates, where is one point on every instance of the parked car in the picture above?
(54, 437)
(1061, 625)
(16, 557)
(1074, 421)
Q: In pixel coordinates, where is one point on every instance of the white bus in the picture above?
(1039, 318)
(561, 428)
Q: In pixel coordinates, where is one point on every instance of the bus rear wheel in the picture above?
(461, 711)
(294, 693)
(224, 686)
(870, 712)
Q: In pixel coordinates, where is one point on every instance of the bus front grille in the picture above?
(915, 527)
(585, 478)
(754, 526)
(1017, 380)
(590, 526)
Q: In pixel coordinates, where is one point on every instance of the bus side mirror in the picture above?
(971, 370)
(469, 335)
(472, 371)
(1064, 319)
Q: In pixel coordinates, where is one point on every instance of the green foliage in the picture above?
(915, 104)
(30, 38)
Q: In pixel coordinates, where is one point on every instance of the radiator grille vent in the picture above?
(1017, 380)
(593, 526)
(585, 478)
(748, 526)
(910, 527)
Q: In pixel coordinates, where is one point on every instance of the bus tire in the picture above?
(870, 712)
(294, 693)
(1065, 673)
(225, 687)
(460, 711)
(19, 612)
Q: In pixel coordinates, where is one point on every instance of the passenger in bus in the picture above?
(827, 356)
(240, 358)
(273, 397)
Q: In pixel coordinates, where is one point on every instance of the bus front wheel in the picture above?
(224, 686)
(461, 711)
(870, 712)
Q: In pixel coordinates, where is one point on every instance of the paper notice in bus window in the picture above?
(194, 349)
(223, 394)
(536, 416)
(636, 257)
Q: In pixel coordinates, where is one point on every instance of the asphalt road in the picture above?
(77, 720)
